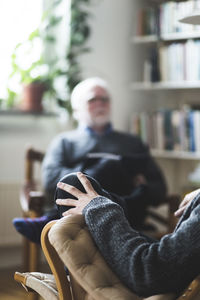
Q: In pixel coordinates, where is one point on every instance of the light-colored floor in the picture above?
(9, 288)
(11, 261)
(12, 290)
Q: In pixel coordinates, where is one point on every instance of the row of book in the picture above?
(180, 61)
(171, 12)
(176, 130)
(164, 19)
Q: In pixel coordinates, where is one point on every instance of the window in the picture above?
(17, 19)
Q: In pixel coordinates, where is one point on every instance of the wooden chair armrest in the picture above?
(36, 201)
(169, 220)
(41, 283)
(157, 217)
(32, 200)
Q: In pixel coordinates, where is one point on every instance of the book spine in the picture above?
(177, 130)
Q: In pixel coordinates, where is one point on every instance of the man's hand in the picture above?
(186, 200)
(83, 198)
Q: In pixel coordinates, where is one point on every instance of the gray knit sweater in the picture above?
(146, 266)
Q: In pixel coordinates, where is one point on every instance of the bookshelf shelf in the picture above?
(145, 39)
(168, 85)
(163, 1)
(175, 154)
(170, 37)
(180, 36)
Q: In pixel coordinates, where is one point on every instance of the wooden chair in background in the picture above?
(32, 204)
(167, 221)
(68, 242)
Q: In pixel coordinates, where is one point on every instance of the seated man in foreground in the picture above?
(146, 266)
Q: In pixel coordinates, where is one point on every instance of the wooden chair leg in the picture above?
(34, 257)
(31, 256)
(33, 296)
(31, 251)
(33, 264)
(25, 258)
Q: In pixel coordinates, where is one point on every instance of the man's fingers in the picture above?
(85, 182)
(69, 188)
(66, 202)
(189, 197)
(186, 199)
(179, 211)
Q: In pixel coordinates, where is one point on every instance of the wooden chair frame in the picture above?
(32, 203)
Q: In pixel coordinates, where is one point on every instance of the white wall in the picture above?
(111, 53)
(16, 133)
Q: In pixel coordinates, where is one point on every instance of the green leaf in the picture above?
(11, 98)
(33, 34)
(50, 38)
(54, 20)
(56, 3)
(71, 70)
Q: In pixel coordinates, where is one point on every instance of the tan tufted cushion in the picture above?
(43, 284)
(71, 239)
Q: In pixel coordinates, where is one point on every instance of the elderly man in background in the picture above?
(119, 161)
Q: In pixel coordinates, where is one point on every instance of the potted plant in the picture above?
(39, 74)
(32, 69)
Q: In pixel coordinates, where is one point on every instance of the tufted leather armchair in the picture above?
(68, 242)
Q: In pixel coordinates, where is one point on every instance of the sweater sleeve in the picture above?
(147, 267)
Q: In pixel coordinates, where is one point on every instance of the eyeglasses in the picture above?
(101, 98)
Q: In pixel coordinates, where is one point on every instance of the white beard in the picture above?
(100, 120)
(99, 117)
(85, 118)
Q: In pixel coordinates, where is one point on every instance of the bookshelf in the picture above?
(168, 85)
(144, 39)
(177, 155)
(167, 58)
(174, 36)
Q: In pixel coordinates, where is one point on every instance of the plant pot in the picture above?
(32, 97)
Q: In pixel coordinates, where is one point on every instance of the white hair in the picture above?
(79, 94)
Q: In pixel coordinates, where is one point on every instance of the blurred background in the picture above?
(47, 46)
